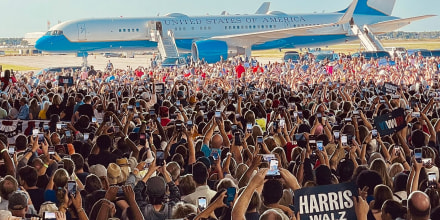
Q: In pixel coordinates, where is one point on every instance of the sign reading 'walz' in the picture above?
(389, 88)
(391, 122)
(329, 202)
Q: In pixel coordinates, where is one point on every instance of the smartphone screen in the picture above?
(432, 180)
(415, 114)
(249, 127)
(237, 138)
(282, 123)
(138, 104)
(418, 154)
(201, 203)
(86, 136)
(93, 119)
(142, 138)
(49, 216)
(215, 153)
(35, 132)
(344, 140)
(178, 102)
(336, 134)
(51, 150)
(217, 114)
(189, 124)
(11, 150)
(273, 169)
(40, 138)
(68, 134)
(267, 157)
(230, 195)
(160, 157)
(320, 145)
(46, 128)
(71, 187)
(374, 133)
(259, 139)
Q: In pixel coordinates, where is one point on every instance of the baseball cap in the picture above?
(156, 187)
(17, 201)
(99, 170)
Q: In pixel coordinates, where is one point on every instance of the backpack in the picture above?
(165, 213)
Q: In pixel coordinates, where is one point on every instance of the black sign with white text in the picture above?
(329, 202)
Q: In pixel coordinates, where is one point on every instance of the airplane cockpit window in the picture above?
(55, 33)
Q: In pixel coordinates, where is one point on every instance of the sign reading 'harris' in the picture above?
(329, 202)
(391, 122)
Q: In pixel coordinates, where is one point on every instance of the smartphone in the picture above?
(418, 154)
(160, 157)
(60, 164)
(45, 128)
(426, 161)
(312, 141)
(93, 119)
(355, 112)
(237, 138)
(138, 105)
(179, 127)
(336, 134)
(86, 136)
(344, 140)
(395, 96)
(230, 195)
(300, 115)
(273, 172)
(259, 139)
(215, 153)
(217, 114)
(40, 138)
(396, 150)
(432, 180)
(189, 124)
(282, 123)
(374, 133)
(320, 145)
(71, 187)
(347, 120)
(152, 112)
(35, 132)
(51, 150)
(142, 138)
(178, 103)
(49, 216)
(201, 203)
(415, 114)
(68, 134)
(249, 127)
(11, 151)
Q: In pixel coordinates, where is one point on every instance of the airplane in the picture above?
(213, 38)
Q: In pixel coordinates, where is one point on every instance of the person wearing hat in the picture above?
(18, 204)
(155, 188)
(114, 174)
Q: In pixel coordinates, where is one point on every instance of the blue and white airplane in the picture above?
(213, 37)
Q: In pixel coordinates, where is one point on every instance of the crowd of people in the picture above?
(231, 140)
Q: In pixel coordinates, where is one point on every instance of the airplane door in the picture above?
(159, 27)
(82, 32)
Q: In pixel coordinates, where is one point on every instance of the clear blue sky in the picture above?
(18, 17)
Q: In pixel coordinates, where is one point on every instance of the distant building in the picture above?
(32, 37)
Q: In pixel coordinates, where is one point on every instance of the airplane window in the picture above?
(184, 28)
(242, 27)
(128, 30)
(270, 26)
(175, 29)
(238, 27)
(201, 28)
(254, 26)
(123, 30)
(209, 28)
(204, 28)
(120, 30)
(132, 30)
(137, 29)
(229, 27)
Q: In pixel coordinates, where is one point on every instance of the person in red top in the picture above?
(7, 79)
(163, 112)
(139, 72)
(239, 70)
(257, 69)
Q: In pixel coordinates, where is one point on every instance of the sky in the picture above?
(18, 17)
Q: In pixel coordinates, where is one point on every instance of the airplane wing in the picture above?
(387, 26)
(249, 39)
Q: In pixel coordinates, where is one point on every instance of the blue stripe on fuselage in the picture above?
(61, 44)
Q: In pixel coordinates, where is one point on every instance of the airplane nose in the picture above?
(42, 43)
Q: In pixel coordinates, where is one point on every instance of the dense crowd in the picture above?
(231, 140)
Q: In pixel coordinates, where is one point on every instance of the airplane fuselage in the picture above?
(108, 34)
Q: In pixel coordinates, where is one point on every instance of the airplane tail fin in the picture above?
(264, 8)
(374, 7)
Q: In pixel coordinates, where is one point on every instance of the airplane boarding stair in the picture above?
(167, 45)
(368, 40)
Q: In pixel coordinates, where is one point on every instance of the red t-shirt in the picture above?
(240, 70)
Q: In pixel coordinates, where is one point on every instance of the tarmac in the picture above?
(98, 61)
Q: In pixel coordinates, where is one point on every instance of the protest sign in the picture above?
(391, 122)
(383, 62)
(389, 88)
(326, 202)
(65, 80)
